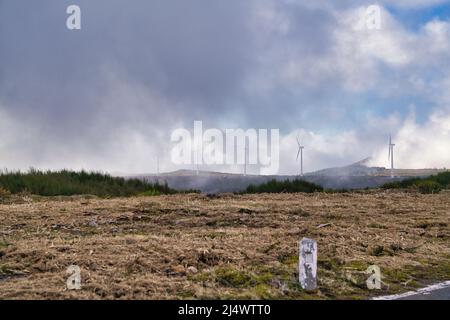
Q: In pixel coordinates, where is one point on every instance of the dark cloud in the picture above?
(140, 68)
(196, 51)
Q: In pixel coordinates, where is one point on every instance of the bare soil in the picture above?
(221, 247)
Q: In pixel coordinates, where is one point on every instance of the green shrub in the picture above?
(432, 184)
(67, 183)
(428, 187)
(4, 194)
(233, 278)
(288, 186)
(443, 179)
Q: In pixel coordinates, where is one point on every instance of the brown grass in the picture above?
(195, 247)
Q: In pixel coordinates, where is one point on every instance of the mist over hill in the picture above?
(354, 176)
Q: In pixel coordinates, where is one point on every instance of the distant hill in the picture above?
(359, 168)
(355, 176)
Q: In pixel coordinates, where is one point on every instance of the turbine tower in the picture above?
(245, 158)
(391, 155)
(197, 170)
(300, 153)
(196, 159)
(157, 166)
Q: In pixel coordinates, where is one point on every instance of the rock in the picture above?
(192, 270)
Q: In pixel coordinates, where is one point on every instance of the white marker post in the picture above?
(374, 281)
(308, 264)
(74, 281)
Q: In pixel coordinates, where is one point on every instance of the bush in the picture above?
(68, 183)
(294, 186)
(4, 194)
(428, 187)
(443, 179)
(433, 184)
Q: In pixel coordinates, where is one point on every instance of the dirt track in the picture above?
(192, 246)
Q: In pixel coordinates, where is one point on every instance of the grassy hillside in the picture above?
(286, 186)
(67, 183)
(432, 184)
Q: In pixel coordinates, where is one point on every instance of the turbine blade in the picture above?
(298, 153)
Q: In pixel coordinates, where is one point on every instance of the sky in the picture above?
(108, 96)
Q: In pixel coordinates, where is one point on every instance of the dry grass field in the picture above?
(221, 247)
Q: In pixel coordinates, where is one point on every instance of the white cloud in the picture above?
(414, 3)
(418, 145)
(436, 38)
(308, 47)
(346, 57)
(421, 145)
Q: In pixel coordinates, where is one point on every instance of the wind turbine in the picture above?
(300, 153)
(391, 155)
